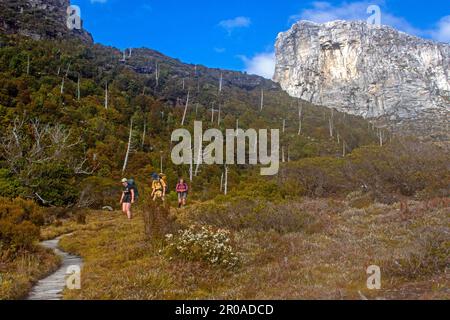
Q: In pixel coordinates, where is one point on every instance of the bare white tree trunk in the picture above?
(28, 65)
(262, 99)
(184, 83)
(157, 74)
(185, 109)
(78, 88)
(226, 181)
(161, 164)
(300, 115)
(381, 138)
(68, 69)
(344, 150)
(283, 159)
(125, 162)
(62, 85)
(106, 95)
(144, 133)
(130, 52)
(64, 77)
(220, 83)
(219, 114)
(284, 125)
(338, 138)
(331, 122)
(221, 183)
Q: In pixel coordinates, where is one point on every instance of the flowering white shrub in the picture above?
(203, 244)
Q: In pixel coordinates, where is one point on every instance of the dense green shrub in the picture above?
(97, 192)
(9, 186)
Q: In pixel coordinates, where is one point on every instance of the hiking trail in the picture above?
(52, 287)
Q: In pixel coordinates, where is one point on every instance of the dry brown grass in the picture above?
(17, 276)
(324, 258)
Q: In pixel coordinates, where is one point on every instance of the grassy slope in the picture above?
(26, 269)
(325, 259)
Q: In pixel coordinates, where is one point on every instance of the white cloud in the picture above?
(261, 64)
(232, 24)
(99, 1)
(442, 31)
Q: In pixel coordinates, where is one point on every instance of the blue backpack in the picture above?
(134, 186)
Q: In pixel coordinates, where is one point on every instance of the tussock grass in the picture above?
(17, 276)
(324, 257)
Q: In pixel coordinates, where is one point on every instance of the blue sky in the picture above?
(240, 34)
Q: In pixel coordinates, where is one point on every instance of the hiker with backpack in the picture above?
(128, 198)
(158, 188)
(182, 191)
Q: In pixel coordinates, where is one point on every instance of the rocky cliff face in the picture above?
(367, 70)
(38, 19)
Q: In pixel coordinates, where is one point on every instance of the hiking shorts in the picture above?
(182, 195)
(127, 199)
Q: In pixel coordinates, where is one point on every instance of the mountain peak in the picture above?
(368, 71)
(39, 19)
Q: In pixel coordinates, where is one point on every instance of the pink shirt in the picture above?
(182, 187)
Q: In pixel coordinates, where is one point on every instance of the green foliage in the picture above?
(10, 187)
(98, 192)
(402, 168)
(133, 94)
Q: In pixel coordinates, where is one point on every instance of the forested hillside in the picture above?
(67, 108)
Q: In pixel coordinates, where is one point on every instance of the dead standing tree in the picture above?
(185, 109)
(29, 148)
(129, 148)
(106, 96)
(300, 116)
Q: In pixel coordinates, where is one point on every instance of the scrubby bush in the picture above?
(19, 224)
(316, 177)
(97, 192)
(158, 220)
(257, 215)
(403, 168)
(431, 257)
(205, 244)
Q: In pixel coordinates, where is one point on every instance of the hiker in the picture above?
(127, 198)
(163, 177)
(158, 188)
(182, 191)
